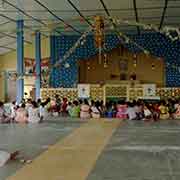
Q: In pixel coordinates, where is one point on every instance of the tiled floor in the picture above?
(73, 157)
(141, 151)
(31, 140)
(98, 150)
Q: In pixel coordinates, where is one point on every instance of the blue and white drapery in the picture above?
(156, 43)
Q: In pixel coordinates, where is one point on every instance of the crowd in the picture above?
(33, 112)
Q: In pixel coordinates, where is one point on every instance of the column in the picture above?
(38, 64)
(20, 61)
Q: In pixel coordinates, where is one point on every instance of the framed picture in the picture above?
(83, 91)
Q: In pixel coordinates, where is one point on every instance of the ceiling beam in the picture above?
(79, 12)
(163, 14)
(136, 15)
(57, 17)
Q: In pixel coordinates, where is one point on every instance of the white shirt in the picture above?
(147, 112)
(94, 109)
(131, 113)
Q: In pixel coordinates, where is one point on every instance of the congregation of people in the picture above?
(29, 111)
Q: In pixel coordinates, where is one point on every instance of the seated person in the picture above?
(121, 110)
(74, 111)
(139, 110)
(43, 111)
(69, 106)
(95, 112)
(64, 106)
(85, 110)
(13, 110)
(33, 113)
(109, 112)
(164, 111)
(131, 112)
(156, 112)
(53, 107)
(147, 113)
(21, 114)
(177, 112)
(4, 118)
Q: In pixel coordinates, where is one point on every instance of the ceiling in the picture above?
(45, 15)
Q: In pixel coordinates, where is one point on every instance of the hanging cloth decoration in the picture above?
(99, 35)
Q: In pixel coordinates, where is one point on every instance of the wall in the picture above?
(8, 61)
(91, 71)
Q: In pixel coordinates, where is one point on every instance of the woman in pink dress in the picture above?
(85, 110)
(21, 114)
(121, 110)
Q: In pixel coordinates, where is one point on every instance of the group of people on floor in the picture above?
(136, 110)
(34, 112)
(26, 112)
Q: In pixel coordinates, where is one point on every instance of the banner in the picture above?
(83, 91)
(30, 64)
